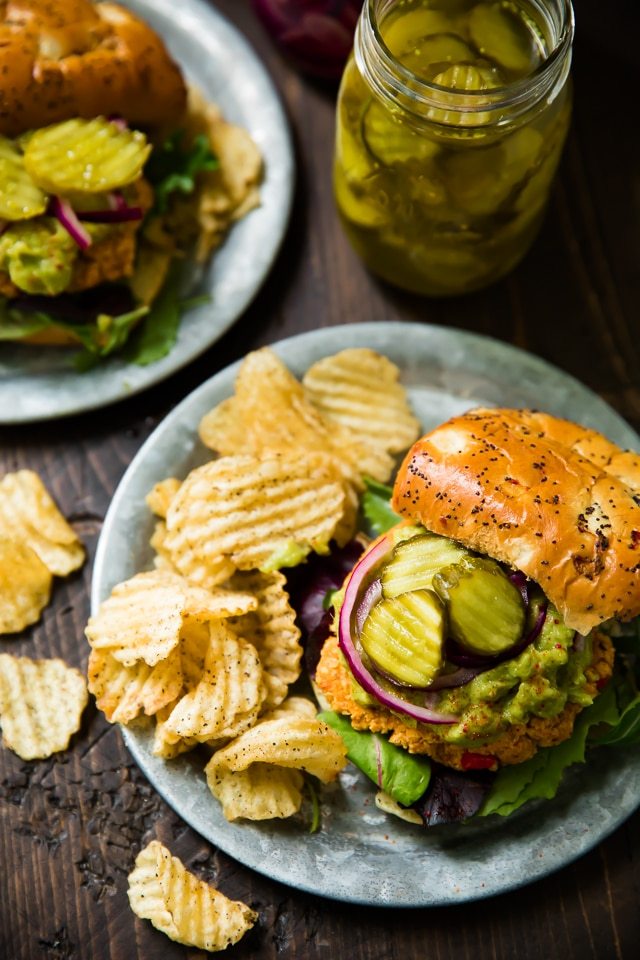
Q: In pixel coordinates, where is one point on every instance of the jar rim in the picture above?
(393, 79)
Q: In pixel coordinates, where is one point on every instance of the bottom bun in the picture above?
(518, 743)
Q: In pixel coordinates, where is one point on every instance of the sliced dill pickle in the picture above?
(404, 637)
(361, 205)
(428, 55)
(391, 139)
(20, 198)
(414, 563)
(502, 37)
(460, 78)
(405, 32)
(88, 156)
(485, 610)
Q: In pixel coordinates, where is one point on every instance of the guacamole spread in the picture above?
(38, 255)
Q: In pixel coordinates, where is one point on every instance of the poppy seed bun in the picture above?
(70, 58)
(550, 498)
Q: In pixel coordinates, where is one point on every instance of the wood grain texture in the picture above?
(70, 827)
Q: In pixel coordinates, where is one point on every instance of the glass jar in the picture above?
(451, 119)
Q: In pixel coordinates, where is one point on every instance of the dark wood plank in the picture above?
(70, 826)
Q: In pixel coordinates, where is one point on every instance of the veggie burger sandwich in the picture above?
(101, 147)
(477, 629)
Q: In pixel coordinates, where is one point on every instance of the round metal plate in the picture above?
(360, 854)
(41, 383)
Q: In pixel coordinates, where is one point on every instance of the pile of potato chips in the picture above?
(207, 642)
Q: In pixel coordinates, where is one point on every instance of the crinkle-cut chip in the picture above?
(162, 559)
(239, 159)
(261, 792)
(161, 495)
(223, 429)
(228, 698)
(256, 513)
(300, 706)
(41, 705)
(122, 693)
(347, 527)
(292, 740)
(25, 586)
(272, 630)
(143, 617)
(186, 909)
(28, 515)
(359, 389)
(172, 748)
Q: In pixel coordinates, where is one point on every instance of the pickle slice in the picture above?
(20, 198)
(405, 32)
(486, 612)
(502, 37)
(88, 156)
(458, 78)
(428, 55)
(414, 563)
(404, 637)
(391, 140)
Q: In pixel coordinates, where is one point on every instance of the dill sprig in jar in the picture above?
(451, 119)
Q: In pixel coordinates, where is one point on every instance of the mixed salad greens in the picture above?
(436, 793)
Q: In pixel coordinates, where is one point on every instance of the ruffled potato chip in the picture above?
(186, 909)
(223, 430)
(261, 792)
(245, 513)
(227, 699)
(29, 516)
(359, 389)
(144, 616)
(272, 630)
(161, 495)
(170, 748)
(41, 705)
(123, 693)
(291, 740)
(25, 586)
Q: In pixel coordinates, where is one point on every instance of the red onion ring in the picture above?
(372, 594)
(365, 566)
(115, 215)
(66, 215)
(519, 580)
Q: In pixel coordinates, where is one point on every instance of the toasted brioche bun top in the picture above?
(558, 501)
(70, 58)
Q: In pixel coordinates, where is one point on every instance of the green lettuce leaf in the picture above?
(539, 777)
(404, 776)
(376, 510)
(173, 167)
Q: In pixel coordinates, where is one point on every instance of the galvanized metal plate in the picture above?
(360, 854)
(42, 383)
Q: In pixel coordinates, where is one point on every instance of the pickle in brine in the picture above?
(390, 138)
(501, 36)
(404, 637)
(20, 198)
(85, 156)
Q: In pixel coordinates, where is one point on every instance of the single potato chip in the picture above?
(161, 495)
(29, 516)
(41, 705)
(25, 586)
(291, 740)
(261, 792)
(186, 909)
(228, 698)
(223, 430)
(170, 748)
(359, 389)
(143, 617)
(252, 513)
(272, 630)
(123, 693)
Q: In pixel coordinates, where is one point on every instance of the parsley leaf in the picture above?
(376, 509)
(173, 167)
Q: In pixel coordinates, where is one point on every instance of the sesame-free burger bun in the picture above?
(556, 500)
(71, 58)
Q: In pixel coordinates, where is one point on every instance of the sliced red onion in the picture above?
(456, 679)
(519, 580)
(117, 215)
(358, 577)
(64, 212)
(578, 642)
(118, 121)
(372, 594)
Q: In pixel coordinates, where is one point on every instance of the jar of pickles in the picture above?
(451, 119)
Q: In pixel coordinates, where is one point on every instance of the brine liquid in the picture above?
(448, 202)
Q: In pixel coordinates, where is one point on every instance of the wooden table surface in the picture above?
(70, 826)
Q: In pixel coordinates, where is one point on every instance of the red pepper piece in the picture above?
(478, 761)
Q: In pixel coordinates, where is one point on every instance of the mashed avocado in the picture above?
(539, 682)
(38, 255)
